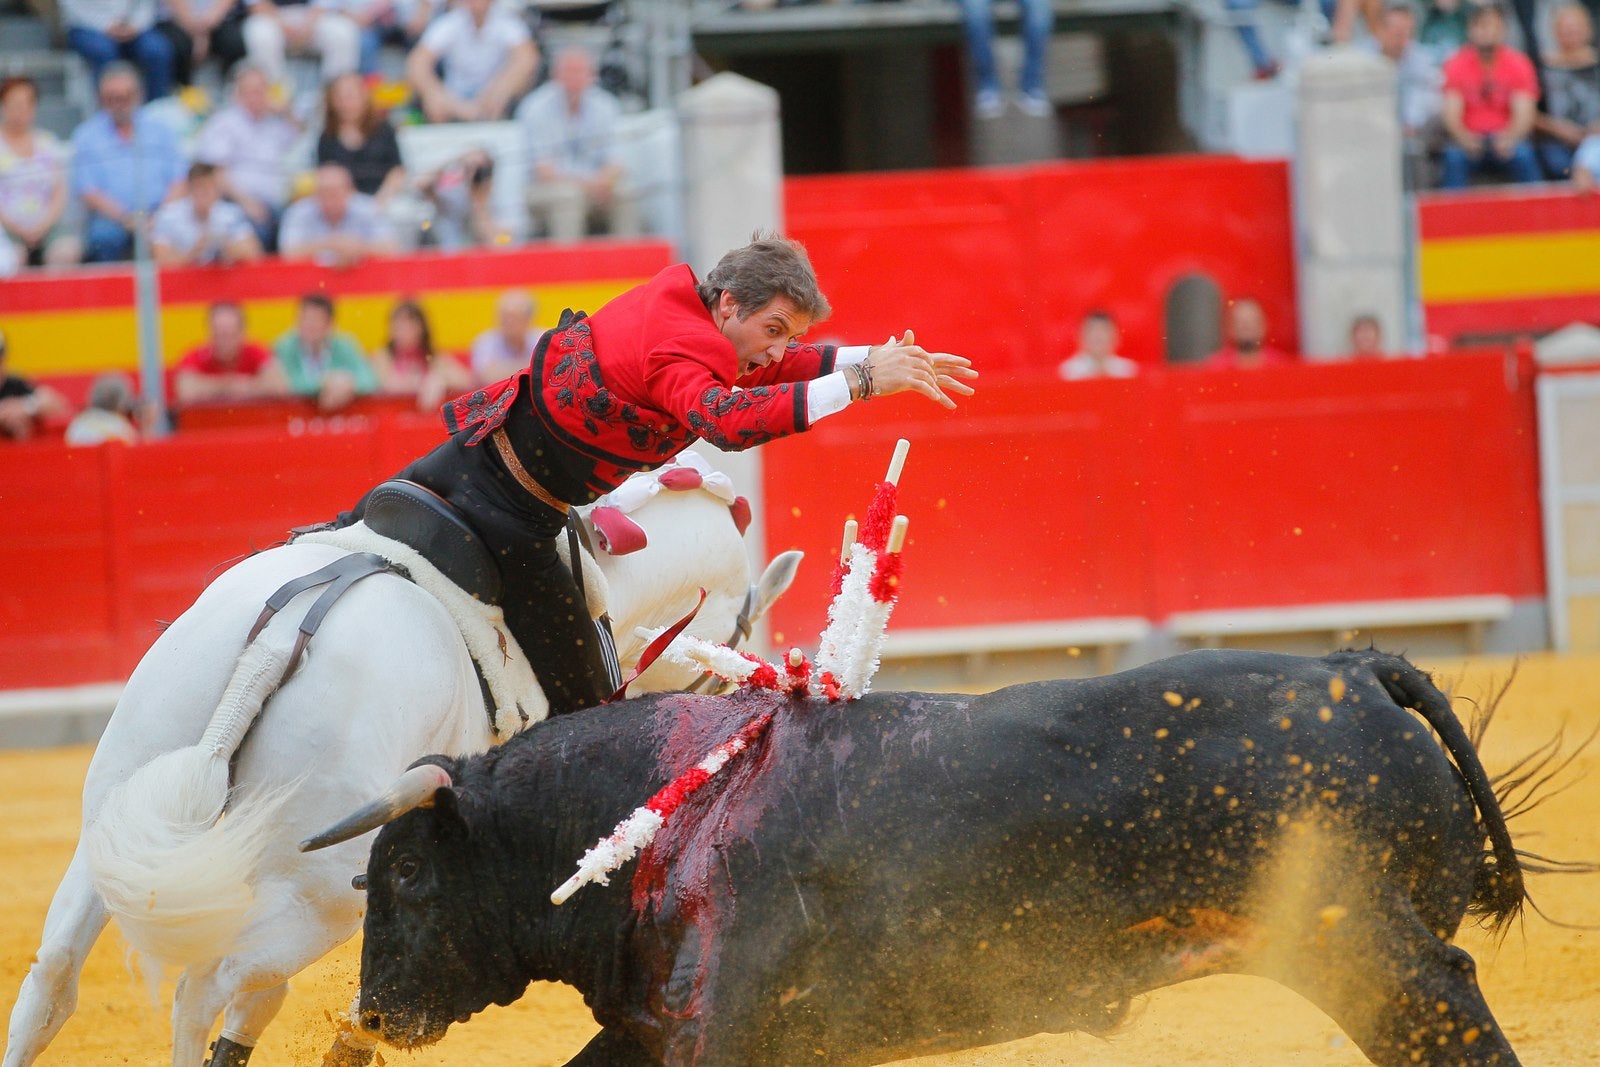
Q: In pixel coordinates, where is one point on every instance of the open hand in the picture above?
(902, 365)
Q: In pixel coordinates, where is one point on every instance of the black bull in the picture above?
(917, 872)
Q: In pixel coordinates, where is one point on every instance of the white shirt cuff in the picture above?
(826, 395)
(848, 355)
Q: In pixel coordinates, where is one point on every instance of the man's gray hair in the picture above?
(123, 69)
(770, 265)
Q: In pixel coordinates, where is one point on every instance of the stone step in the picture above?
(23, 33)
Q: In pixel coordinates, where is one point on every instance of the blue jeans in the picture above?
(1557, 160)
(150, 51)
(1458, 167)
(1038, 20)
(106, 241)
(1249, 35)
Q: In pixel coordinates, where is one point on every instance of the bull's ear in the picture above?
(447, 806)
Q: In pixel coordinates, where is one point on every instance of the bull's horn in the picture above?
(413, 789)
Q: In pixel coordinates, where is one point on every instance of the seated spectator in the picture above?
(275, 28)
(1366, 337)
(357, 137)
(229, 366)
(335, 225)
(108, 416)
(462, 193)
(1417, 84)
(488, 59)
(24, 405)
(247, 142)
(1037, 21)
(1419, 77)
(1572, 92)
(124, 165)
(1246, 346)
(409, 364)
(103, 31)
(1490, 94)
(199, 30)
(202, 228)
(506, 349)
(33, 181)
(1097, 351)
(577, 183)
(314, 360)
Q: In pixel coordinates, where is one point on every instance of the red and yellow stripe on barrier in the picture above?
(1506, 261)
(84, 322)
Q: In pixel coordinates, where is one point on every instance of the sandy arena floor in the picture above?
(1543, 983)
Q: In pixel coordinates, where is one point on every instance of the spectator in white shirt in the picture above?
(577, 180)
(202, 227)
(277, 27)
(506, 349)
(486, 55)
(248, 142)
(1097, 351)
(335, 225)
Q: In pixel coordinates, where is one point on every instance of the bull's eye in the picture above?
(406, 868)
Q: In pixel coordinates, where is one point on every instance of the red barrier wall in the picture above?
(1042, 500)
(1037, 500)
(101, 544)
(1003, 263)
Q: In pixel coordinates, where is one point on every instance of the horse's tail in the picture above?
(173, 868)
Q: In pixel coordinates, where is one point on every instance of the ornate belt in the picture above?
(502, 444)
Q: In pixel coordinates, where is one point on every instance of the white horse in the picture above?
(205, 878)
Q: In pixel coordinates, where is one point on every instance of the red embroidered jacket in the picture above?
(633, 385)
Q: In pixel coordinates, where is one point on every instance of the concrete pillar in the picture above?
(733, 186)
(1348, 200)
(732, 165)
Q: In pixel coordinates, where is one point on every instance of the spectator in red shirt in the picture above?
(1247, 347)
(227, 367)
(1490, 97)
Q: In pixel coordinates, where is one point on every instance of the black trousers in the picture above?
(227, 45)
(540, 599)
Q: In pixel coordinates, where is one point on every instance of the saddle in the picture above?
(419, 517)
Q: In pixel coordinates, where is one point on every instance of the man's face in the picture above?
(227, 333)
(515, 317)
(1487, 30)
(1099, 337)
(203, 193)
(762, 336)
(1248, 325)
(1394, 33)
(333, 193)
(574, 73)
(251, 91)
(119, 95)
(313, 325)
(478, 9)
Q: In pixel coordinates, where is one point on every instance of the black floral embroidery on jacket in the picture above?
(716, 404)
(576, 383)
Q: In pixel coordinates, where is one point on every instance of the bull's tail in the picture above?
(1498, 892)
(172, 868)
